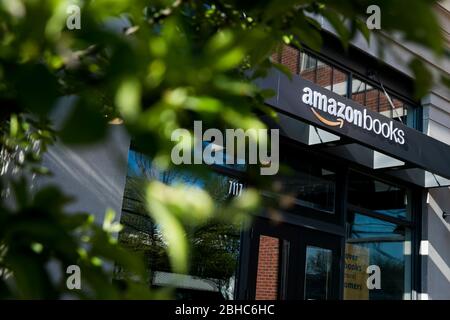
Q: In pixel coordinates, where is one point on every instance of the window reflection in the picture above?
(312, 188)
(214, 246)
(220, 157)
(340, 82)
(308, 186)
(364, 227)
(372, 98)
(376, 100)
(324, 75)
(308, 66)
(378, 196)
(372, 241)
(359, 91)
(384, 107)
(399, 111)
(377, 235)
(318, 273)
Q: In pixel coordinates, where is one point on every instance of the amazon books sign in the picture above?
(299, 99)
(334, 113)
(337, 114)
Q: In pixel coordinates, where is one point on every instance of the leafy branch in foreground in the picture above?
(171, 63)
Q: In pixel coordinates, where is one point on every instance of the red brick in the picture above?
(267, 277)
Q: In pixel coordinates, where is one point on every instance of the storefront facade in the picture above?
(339, 219)
(361, 210)
(355, 196)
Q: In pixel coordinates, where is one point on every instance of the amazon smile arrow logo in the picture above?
(354, 116)
(338, 122)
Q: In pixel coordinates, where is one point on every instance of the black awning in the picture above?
(314, 115)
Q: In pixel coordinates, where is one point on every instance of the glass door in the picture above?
(290, 263)
(319, 266)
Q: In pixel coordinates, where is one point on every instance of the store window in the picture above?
(214, 247)
(359, 91)
(378, 241)
(318, 273)
(308, 67)
(378, 196)
(340, 82)
(376, 100)
(307, 63)
(313, 188)
(323, 74)
(308, 186)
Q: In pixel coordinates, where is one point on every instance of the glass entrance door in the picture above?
(289, 262)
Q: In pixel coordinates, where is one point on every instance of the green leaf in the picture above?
(171, 228)
(203, 104)
(37, 88)
(14, 126)
(128, 98)
(220, 41)
(229, 59)
(109, 225)
(85, 124)
(30, 276)
(446, 81)
(309, 36)
(362, 27)
(423, 79)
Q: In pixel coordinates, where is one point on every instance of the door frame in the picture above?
(292, 257)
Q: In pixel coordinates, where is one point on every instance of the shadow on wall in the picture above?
(438, 251)
(94, 175)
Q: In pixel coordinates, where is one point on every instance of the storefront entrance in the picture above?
(341, 225)
(290, 263)
(324, 227)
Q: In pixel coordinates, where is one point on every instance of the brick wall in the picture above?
(372, 99)
(267, 277)
(358, 97)
(309, 75)
(290, 58)
(324, 75)
(339, 76)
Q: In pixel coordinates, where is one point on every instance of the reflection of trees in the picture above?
(318, 271)
(392, 268)
(392, 273)
(385, 243)
(319, 262)
(147, 171)
(214, 245)
(215, 249)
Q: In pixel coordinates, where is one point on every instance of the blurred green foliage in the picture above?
(173, 62)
